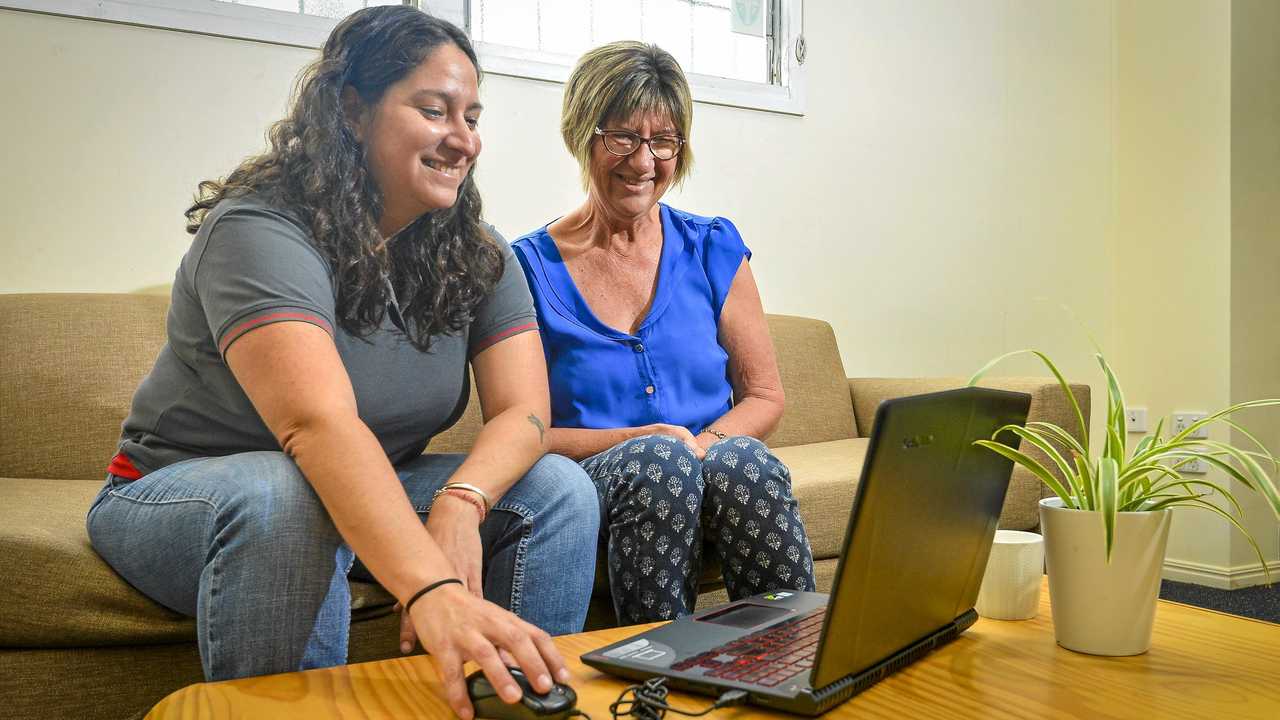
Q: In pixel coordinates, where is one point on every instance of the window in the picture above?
(736, 52)
(745, 53)
(697, 32)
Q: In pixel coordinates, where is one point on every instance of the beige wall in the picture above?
(947, 190)
(1173, 243)
(1197, 251)
(1255, 242)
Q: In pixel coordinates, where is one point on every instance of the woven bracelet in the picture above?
(429, 588)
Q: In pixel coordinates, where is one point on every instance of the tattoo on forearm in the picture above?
(542, 430)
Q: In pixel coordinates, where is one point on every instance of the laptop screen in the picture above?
(925, 513)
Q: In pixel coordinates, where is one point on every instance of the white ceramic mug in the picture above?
(1011, 585)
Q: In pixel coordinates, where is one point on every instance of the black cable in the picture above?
(647, 701)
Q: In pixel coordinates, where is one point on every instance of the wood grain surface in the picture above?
(1202, 664)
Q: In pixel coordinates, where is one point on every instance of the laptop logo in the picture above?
(777, 595)
(642, 651)
(917, 441)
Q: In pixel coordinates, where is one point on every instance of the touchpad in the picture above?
(745, 615)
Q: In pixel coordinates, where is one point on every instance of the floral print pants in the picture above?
(658, 502)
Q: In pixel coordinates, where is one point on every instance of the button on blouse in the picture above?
(673, 370)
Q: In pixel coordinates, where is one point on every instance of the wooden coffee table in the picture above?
(1202, 664)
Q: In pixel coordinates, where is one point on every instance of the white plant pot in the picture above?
(1103, 608)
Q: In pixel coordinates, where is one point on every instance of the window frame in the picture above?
(220, 19)
(200, 17)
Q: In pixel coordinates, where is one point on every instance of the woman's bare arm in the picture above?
(295, 379)
(753, 366)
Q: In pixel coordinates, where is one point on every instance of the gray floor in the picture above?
(1259, 602)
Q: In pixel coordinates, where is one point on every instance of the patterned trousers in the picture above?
(658, 502)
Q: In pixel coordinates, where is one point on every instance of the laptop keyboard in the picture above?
(765, 657)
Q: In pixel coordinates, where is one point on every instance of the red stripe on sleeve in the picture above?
(231, 335)
(497, 337)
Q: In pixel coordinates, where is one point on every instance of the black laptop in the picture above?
(914, 553)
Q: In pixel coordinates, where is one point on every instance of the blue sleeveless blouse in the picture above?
(673, 369)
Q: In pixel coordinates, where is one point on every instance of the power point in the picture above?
(1184, 419)
(1194, 467)
(1135, 419)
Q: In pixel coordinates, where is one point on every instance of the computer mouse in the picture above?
(555, 705)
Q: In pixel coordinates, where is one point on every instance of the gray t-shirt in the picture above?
(250, 265)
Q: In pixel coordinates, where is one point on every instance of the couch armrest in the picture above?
(1048, 404)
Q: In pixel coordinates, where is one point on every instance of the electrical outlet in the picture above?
(1135, 419)
(1194, 467)
(1183, 419)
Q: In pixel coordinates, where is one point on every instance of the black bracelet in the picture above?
(428, 589)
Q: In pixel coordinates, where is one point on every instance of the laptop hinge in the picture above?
(837, 692)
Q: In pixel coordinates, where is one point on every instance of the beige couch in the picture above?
(76, 641)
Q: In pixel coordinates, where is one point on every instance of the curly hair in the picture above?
(443, 264)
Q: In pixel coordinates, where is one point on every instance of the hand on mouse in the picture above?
(455, 626)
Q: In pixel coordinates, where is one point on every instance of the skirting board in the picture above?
(1215, 576)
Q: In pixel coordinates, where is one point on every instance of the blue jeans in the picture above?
(243, 544)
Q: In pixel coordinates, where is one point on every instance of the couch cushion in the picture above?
(69, 364)
(59, 593)
(818, 404)
(824, 477)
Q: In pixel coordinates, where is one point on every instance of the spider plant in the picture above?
(1146, 476)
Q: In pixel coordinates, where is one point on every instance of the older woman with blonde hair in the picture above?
(662, 374)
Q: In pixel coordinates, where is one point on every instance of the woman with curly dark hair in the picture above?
(319, 335)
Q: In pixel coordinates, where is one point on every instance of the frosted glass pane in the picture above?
(286, 5)
(506, 22)
(566, 26)
(615, 20)
(668, 23)
(713, 54)
(335, 9)
(751, 58)
(338, 9)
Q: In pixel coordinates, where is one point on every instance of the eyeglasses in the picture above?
(625, 142)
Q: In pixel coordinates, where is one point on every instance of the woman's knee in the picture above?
(659, 460)
(737, 450)
(742, 471)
